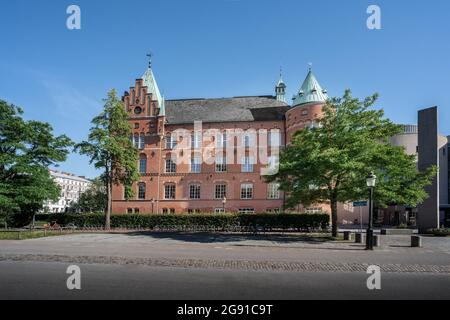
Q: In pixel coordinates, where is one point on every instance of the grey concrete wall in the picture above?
(428, 215)
(443, 170)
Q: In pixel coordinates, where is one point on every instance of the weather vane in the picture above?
(310, 65)
(149, 55)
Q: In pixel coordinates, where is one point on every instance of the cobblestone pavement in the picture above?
(282, 252)
(228, 264)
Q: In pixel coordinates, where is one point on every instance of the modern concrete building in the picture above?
(409, 139)
(72, 187)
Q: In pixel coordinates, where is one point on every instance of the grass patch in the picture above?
(24, 235)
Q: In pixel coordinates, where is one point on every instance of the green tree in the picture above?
(27, 148)
(330, 162)
(110, 149)
(94, 199)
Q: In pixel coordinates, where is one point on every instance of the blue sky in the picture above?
(220, 48)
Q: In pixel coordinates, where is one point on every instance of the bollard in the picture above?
(416, 241)
(376, 241)
(359, 238)
(347, 236)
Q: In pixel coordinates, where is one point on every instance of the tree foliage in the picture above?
(94, 199)
(330, 162)
(27, 148)
(110, 149)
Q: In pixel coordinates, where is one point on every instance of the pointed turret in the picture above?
(310, 91)
(148, 80)
(280, 89)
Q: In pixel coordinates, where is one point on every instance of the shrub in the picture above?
(442, 232)
(218, 221)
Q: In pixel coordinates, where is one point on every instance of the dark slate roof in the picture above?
(237, 109)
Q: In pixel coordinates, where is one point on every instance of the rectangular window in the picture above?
(219, 210)
(247, 164)
(221, 140)
(136, 210)
(246, 210)
(165, 211)
(136, 141)
(170, 142)
(141, 142)
(221, 191)
(221, 164)
(129, 210)
(141, 191)
(196, 164)
(171, 166)
(246, 191)
(169, 192)
(194, 191)
(273, 191)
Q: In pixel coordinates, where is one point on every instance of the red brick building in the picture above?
(209, 155)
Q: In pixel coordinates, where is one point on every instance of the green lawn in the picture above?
(24, 235)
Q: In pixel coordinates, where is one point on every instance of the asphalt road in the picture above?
(47, 280)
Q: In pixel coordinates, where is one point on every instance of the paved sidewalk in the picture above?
(271, 252)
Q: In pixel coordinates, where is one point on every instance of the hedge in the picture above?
(275, 221)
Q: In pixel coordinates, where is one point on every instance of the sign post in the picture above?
(360, 204)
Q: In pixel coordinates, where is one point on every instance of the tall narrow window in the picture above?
(247, 164)
(169, 191)
(171, 166)
(143, 164)
(196, 164)
(246, 191)
(221, 140)
(194, 191)
(136, 141)
(221, 164)
(221, 191)
(196, 142)
(141, 191)
(273, 191)
(141, 141)
(171, 142)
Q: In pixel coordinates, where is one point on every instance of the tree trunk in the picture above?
(334, 218)
(108, 209)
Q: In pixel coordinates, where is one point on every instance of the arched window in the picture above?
(141, 191)
(142, 164)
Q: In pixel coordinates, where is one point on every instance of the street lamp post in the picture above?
(224, 202)
(371, 181)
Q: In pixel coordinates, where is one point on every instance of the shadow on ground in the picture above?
(247, 239)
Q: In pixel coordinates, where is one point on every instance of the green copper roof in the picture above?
(162, 109)
(152, 87)
(311, 91)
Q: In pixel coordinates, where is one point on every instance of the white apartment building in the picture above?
(72, 187)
